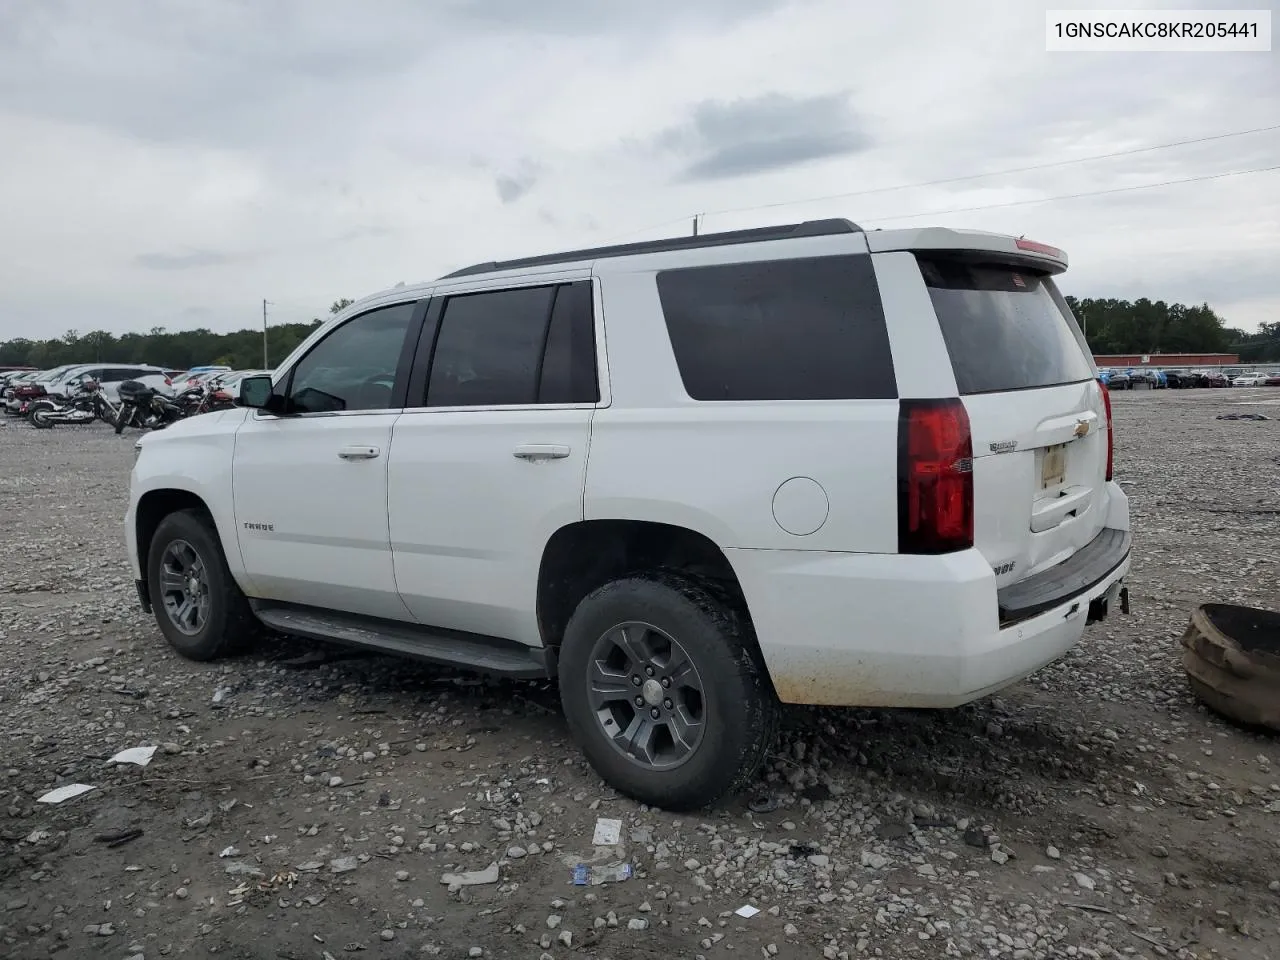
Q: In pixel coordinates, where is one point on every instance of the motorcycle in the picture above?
(148, 409)
(85, 405)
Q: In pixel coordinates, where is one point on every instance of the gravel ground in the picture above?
(307, 802)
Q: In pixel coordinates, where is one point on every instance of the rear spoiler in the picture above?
(944, 239)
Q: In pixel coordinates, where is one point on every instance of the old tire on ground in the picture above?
(198, 606)
(1232, 658)
(665, 692)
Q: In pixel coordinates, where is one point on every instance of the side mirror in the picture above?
(256, 393)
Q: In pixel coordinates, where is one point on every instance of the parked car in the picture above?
(108, 376)
(1116, 380)
(677, 541)
(1211, 378)
(1254, 379)
(1178, 379)
(1273, 379)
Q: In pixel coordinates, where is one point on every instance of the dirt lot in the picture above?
(305, 802)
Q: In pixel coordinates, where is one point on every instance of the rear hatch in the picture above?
(1037, 414)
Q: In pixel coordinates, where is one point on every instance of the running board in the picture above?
(468, 651)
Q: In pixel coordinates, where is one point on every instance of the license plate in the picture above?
(1053, 468)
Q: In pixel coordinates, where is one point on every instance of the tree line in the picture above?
(171, 349)
(1143, 326)
(1111, 326)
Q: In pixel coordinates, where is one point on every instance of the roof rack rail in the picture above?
(790, 231)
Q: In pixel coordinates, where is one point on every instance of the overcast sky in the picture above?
(172, 162)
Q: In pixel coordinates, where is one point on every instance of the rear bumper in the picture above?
(905, 631)
(1088, 566)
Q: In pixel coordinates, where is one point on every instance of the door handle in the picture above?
(541, 451)
(355, 452)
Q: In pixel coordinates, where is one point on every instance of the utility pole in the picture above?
(695, 223)
(265, 364)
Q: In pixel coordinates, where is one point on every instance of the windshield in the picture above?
(1005, 326)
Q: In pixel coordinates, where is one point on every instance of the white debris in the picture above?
(138, 755)
(66, 792)
(608, 833)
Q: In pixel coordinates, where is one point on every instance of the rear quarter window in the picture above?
(1006, 326)
(803, 329)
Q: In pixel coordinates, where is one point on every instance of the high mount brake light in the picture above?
(1032, 246)
(935, 477)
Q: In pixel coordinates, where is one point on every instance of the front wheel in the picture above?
(665, 692)
(198, 606)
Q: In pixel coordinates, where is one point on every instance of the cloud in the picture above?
(765, 133)
(217, 154)
(512, 186)
(191, 260)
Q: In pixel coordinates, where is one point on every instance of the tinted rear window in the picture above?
(1005, 327)
(804, 329)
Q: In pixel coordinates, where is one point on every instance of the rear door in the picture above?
(1036, 411)
(489, 458)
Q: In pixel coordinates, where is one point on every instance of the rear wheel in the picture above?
(665, 692)
(39, 416)
(198, 606)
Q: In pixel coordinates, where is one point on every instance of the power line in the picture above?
(962, 179)
(1076, 196)
(999, 173)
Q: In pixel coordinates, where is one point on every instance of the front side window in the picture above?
(354, 366)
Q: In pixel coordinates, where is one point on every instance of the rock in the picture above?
(553, 921)
(171, 748)
(874, 861)
(819, 861)
(566, 938)
(1085, 881)
(637, 923)
(343, 865)
(238, 868)
(387, 935)
(517, 853)
(1160, 851)
(335, 781)
(402, 875)
(181, 893)
(999, 856)
(976, 838)
(475, 952)
(18, 904)
(1052, 852)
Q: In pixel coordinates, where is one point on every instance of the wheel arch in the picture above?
(583, 556)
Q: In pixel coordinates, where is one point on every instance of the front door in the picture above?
(311, 484)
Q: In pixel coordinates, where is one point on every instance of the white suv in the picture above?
(691, 479)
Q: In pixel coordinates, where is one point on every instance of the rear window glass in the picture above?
(1006, 328)
(802, 329)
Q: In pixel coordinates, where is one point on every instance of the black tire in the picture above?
(33, 416)
(228, 626)
(122, 418)
(738, 707)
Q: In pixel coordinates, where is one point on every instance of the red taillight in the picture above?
(1111, 433)
(935, 477)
